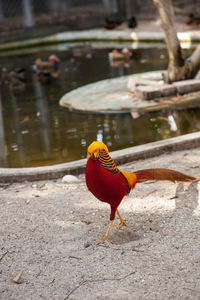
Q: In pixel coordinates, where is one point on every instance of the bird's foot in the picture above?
(123, 223)
(103, 239)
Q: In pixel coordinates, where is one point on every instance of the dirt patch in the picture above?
(47, 230)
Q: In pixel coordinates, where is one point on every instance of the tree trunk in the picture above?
(178, 68)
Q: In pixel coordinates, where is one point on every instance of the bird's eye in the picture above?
(94, 154)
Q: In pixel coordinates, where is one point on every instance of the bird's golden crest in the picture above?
(94, 149)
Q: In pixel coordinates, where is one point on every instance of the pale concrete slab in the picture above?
(113, 95)
(108, 95)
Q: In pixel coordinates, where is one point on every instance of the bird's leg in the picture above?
(105, 237)
(122, 221)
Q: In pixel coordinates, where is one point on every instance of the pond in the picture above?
(36, 131)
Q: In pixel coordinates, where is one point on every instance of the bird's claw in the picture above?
(123, 223)
(102, 240)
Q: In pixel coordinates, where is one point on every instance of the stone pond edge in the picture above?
(100, 35)
(184, 142)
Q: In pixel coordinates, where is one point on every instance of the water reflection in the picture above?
(18, 146)
(3, 160)
(35, 131)
(43, 115)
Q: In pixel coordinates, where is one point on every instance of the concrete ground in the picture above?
(47, 230)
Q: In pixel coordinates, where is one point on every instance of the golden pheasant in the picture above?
(110, 184)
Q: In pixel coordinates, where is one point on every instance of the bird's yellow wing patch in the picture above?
(130, 177)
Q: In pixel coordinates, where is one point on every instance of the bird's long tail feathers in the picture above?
(163, 174)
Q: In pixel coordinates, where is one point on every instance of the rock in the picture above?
(187, 86)
(70, 179)
(150, 92)
(147, 92)
(133, 83)
(168, 90)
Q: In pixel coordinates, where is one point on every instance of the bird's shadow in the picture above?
(124, 235)
(186, 199)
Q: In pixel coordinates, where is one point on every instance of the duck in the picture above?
(111, 23)
(46, 66)
(8, 74)
(192, 20)
(124, 55)
(53, 60)
(115, 55)
(127, 53)
(41, 65)
(132, 22)
(46, 69)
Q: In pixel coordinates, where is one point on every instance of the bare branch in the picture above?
(97, 280)
(4, 254)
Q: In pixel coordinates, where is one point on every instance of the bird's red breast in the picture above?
(105, 185)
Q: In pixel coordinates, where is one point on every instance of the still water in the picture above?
(36, 131)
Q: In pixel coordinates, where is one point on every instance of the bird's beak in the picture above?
(94, 155)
